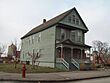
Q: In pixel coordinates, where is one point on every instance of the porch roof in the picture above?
(69, 42)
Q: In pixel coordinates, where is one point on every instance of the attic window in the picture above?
(77, 22)
(69, 19)
(74, 19)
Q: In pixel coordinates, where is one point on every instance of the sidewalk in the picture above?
(53, 77)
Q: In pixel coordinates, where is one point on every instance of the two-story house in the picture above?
(61, 41)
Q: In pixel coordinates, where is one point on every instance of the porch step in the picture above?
(73, 67)
(62, 63)
(75, 64)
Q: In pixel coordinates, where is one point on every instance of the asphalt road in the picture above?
(99, 80)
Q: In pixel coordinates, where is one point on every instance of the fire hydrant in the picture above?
(23, 71)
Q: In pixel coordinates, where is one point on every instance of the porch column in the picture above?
(61, 51)
(71, 52)
(81, 54)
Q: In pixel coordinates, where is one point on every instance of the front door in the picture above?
(67, 54)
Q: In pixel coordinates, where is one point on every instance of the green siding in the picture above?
(46, 43)
(66, 21)
(69, 35)
(61, 66)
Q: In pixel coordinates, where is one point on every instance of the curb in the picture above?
(59, 80)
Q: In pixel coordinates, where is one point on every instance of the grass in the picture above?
(10, 68)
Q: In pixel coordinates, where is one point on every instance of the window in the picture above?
(32, 39)
(74, 19)
(79, 36)
(73, 35)
(69, 19)
(77, 21)
(62, 34)
(29, 40)
(39, 37)
(36, 37)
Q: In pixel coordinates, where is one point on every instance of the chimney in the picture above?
(44, 20)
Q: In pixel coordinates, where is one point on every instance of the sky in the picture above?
(17, 17)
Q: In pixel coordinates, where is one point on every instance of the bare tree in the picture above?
(101, 49)
(2, 49)
(17, 45)
(35, 56)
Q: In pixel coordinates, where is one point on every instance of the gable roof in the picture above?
(51, 22)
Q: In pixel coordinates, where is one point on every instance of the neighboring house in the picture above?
(107, 58)
(61, 41)
(12, 51)
(100, 58)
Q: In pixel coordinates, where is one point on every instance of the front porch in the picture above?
(71, 57)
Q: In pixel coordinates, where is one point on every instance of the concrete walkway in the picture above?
(53, 77)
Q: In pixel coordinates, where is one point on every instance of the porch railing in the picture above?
(73, 61)
(62, 60)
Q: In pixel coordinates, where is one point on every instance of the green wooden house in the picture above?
(61, 41)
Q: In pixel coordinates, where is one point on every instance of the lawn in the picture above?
(10, 68)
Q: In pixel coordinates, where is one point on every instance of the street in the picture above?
(99, 80)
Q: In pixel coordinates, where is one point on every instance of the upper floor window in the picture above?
(79, 36)
(73, 35)
(29, 40)
(32, 39)
(62, 34)
(39, 37)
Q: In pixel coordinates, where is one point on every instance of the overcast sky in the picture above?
(17, 17)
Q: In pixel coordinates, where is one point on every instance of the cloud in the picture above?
(17, 17)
